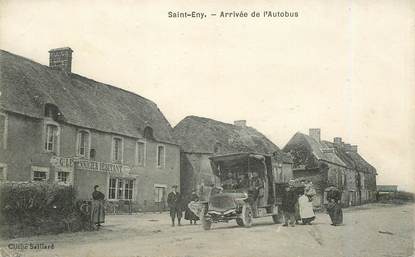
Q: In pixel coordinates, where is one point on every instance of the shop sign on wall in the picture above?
(69, 162)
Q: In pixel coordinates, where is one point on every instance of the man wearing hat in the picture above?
(174, 202)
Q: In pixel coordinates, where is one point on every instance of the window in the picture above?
(159, 193)
(3, 130)
(40, 173)
(117, 149)
(51, 111)
(120, 189)
(63, 176)
(140, 153)
(3, 172)
(112, 187)
(51, 138)
(217, 148)
(128, 192)
(362, 180)
(83, 143)
(160, 156)
(148, 133)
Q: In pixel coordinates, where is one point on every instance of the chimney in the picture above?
(240, 123)
(61, 59)
(353, 148)
(337, 140)
(315, 133)
(347, 147)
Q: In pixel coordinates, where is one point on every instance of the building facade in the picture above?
(201, 138)
(60, 127)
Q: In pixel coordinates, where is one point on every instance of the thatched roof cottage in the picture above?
(331, 163)
(62, 127)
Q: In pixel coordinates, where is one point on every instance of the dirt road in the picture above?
(370, 230)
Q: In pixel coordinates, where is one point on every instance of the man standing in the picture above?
(256, 190)
(174, 202)
(288, 205)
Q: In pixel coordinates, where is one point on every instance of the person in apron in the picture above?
(97, 210)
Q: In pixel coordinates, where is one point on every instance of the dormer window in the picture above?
(148, 133)
(217, 148)
(51, 111)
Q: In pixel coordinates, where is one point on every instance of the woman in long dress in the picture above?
(334, 208)
(189, 214)
(97, 210)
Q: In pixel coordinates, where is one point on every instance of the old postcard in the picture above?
(207, 129)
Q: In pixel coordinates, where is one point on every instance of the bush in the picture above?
(39, 208)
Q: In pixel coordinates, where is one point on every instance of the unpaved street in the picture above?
(370, 230)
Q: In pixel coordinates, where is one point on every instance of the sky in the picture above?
(346, 67)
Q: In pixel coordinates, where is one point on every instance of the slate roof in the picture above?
(26, 86)
(200, 135)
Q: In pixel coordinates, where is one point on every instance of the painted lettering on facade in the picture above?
(68, 162)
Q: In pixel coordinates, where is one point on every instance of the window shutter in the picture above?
(114, 149)
(78, 142)
(55, 139)
(87, 147)
(46, 137)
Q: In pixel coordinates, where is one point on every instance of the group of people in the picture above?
(177, 204)
(250, 182)
(175, 201)
(243, 181)
(297, 204)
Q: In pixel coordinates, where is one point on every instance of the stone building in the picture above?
(201, 138)
(365, 175)
(332, 163)
(58, 126)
